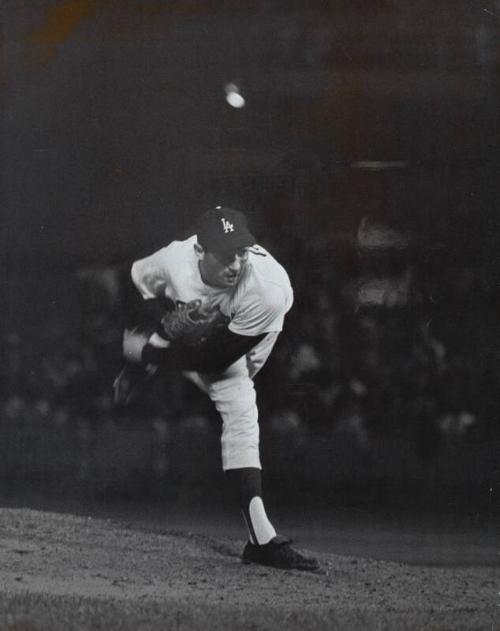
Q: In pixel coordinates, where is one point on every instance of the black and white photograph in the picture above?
(250, 324)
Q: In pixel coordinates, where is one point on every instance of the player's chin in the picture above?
(230, 280)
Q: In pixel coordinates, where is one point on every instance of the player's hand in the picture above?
(134, 341)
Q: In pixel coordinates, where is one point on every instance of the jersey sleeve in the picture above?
(262, 314)
(151, 275)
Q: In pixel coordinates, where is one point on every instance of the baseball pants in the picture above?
(233, 394)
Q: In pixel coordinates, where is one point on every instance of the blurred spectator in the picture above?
(423, 371)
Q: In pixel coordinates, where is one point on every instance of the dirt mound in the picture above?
(61, 572)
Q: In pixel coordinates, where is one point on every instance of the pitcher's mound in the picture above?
(62, 573)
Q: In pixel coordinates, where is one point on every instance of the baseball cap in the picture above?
(222, 229)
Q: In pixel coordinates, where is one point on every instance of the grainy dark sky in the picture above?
(116, 131)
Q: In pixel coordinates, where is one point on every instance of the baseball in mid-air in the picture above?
(234, 96)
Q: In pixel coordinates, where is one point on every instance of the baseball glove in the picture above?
(192, 323)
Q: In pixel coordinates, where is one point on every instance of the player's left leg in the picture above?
(233, 394)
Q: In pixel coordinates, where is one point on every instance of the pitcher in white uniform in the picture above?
(220, 267)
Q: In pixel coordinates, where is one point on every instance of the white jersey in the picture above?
(256, 305)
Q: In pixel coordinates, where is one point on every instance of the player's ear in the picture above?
(200, 250)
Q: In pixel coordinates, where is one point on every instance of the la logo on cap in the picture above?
(227, 225)
(222, 229)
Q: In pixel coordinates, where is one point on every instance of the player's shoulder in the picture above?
(268, 280)
(167, 260)
(184, 245)
(177, 251)
(264, 296)
(266, 269)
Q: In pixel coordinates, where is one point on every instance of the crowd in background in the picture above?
(351, 358)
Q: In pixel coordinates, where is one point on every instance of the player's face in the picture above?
(223, 269)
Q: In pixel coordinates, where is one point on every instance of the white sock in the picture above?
(260, 529)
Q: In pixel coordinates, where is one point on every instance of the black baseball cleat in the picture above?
(278, 553)
(131, 383)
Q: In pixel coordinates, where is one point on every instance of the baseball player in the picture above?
(216, 303)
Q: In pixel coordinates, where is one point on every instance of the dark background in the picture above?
(367, 158)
